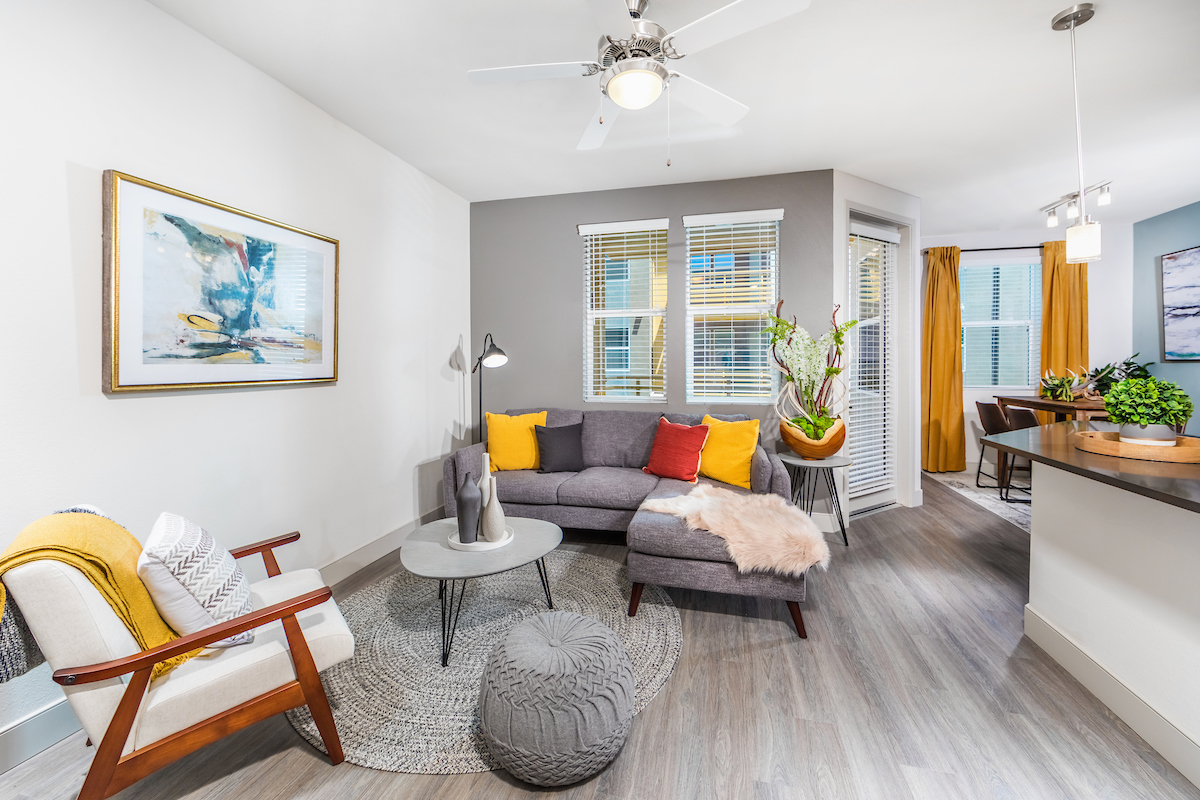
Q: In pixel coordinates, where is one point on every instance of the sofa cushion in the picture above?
(668, 535)
(729, 452)
(697, 419)
(511, 442)
(676, 451)
(607, 487)
(555, 417)
(560, 449)
(618, 438)
(529, 486)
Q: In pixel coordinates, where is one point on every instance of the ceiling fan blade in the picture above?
(534, 72)
(593, 137)
(613, 17)
(706, 100)
(732, 20)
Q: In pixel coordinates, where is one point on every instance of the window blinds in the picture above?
(732, 279)
(871, 423)
(1002, 324)
(625, 302)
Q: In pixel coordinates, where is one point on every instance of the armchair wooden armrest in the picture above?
(148, 658)
(267, 549)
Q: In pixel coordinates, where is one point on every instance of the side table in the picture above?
(805, 478)
(427, 553)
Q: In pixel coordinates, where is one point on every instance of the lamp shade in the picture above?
(494, 357)
(1083, 242)
(635, 83)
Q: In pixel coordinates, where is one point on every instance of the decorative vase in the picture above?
(468, 501)
(485, 481)
(491, 525)
(1153, 435)
(813, 449)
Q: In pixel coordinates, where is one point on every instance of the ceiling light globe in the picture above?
(1105, 198)
(1072, 210)
(635, 83)
(1052, 218)
(1083, 242)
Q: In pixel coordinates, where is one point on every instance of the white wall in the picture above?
(1110, 300)
(97, 84)
(856, 194)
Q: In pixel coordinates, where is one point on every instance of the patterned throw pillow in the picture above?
(195, 583)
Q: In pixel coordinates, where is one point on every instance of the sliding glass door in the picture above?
(871, 423)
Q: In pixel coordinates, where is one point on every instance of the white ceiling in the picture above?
(964, 103)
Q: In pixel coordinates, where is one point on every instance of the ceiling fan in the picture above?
(632, 57)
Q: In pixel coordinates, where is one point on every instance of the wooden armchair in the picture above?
(144, 725)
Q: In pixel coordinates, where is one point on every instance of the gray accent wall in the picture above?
(1153, 238)
(527, 280)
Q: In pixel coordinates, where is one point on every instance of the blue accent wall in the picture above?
(1152, 238)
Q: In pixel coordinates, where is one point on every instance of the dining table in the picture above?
(1079, 410)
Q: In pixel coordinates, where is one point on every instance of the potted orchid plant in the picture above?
(813, 395)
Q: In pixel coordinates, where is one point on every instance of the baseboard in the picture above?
(27, 737)
(826, 522)
(371, 552)
(1171, 743)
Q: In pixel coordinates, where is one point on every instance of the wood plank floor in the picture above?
(915, 682)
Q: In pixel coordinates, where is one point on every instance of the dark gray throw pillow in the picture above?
(560, 449)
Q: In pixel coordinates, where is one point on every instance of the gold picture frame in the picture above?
(201, 295)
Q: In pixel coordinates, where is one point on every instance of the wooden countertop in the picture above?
(1177, 484)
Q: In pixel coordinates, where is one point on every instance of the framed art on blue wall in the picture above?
(1181, 305)
(201, 295)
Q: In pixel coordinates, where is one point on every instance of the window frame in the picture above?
(591, 315)
(713, 267)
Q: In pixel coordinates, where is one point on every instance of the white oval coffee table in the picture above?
(427, 553)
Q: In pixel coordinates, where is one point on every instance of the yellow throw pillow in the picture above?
(729, 451)
(512, 443)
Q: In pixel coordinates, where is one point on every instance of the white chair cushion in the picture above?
(195, 583)
(221, 679)
(75, 627)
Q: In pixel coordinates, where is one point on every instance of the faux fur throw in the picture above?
(762, 532)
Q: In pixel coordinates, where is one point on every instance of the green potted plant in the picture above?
(813, 394)
(1148, 410)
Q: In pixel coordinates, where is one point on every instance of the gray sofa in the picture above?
(608, 493)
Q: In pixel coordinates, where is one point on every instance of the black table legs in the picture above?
(545, 576)
(804, 494)
(450, 613)
(450, 595)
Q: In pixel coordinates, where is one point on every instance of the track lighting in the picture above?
(1052, 218)
(1105, 197)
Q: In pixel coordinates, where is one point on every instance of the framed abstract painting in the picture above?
(1181, 305)
(199, 295)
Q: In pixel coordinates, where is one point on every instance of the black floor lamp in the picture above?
(491, 357)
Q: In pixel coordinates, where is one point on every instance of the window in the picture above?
(625, 305)
(871, 424)
(1002, 323)
(732, 278)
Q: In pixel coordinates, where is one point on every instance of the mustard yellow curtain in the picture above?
(943, 435)
(1064, 312)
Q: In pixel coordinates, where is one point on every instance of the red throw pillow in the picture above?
(676, 451)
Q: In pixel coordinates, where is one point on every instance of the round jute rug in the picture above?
(398, 709)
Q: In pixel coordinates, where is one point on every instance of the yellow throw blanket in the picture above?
(107, 555)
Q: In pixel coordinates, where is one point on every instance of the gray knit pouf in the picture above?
(556, 699)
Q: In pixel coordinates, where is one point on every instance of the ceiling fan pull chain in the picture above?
(668, 123)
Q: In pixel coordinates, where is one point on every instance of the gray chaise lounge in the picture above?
(608, 493)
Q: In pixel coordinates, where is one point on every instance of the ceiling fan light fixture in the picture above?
(635, 82)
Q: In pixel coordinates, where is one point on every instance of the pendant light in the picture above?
(1083, 238)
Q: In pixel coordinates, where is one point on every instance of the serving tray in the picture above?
(1108, 443)
(475, 547)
